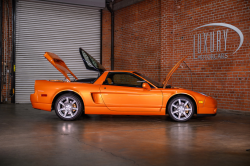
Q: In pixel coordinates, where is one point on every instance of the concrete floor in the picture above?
(35, 137)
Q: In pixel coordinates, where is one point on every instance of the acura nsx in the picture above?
(116, 92)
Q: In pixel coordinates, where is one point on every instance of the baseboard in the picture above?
(235, 112)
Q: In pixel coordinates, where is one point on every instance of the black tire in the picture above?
(181, 108)
(68, 107)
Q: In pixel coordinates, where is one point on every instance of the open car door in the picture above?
(90, 62)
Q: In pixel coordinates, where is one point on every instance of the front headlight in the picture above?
(203, 94)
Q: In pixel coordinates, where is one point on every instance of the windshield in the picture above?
(156, 83)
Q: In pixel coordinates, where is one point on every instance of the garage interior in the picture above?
(147, 36)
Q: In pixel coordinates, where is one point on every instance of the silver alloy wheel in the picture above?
(181, 109)
(67, 107)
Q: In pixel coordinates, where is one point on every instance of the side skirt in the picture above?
(106, 111)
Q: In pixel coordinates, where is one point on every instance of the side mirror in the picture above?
(146, 86)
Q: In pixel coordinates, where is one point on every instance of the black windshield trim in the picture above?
(141, 75)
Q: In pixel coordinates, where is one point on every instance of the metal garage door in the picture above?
(52, 27)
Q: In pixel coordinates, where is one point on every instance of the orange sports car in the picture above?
(116, 92)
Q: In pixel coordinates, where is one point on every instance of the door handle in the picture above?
(104, 87)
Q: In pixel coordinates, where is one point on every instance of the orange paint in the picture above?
(100, 98)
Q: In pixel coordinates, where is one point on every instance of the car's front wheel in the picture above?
(181, 108)
(68, 107)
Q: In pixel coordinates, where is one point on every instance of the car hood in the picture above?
(165, 82)
(88, 60)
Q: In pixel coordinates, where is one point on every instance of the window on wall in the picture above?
(123, 79)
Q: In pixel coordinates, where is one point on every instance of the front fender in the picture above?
(198, 98)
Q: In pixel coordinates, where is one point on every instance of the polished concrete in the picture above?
(35, 137)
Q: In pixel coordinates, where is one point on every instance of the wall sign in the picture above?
(216, 46)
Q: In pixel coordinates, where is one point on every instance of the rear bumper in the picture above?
(40, 106)
(33, 98)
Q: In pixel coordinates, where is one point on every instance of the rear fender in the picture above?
(57, 95)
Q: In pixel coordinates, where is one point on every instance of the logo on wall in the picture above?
(213, 45)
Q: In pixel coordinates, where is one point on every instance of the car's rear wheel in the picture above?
(68, 107)
(181, 108)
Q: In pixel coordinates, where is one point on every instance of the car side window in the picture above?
(123, 79)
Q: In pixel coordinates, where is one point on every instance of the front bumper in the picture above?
(209, 108)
